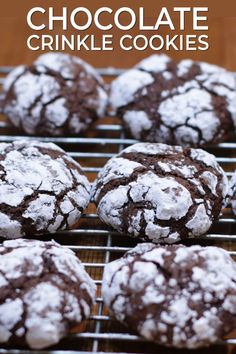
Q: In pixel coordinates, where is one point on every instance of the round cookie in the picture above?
(42, 189)
(177, 296)
(45, 291)
(184, 103)
(59, 94)
(160, 193)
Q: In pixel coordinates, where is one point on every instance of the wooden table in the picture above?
(222, 31)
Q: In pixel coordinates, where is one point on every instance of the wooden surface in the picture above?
(221, 21)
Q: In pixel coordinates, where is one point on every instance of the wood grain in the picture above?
(222, 32)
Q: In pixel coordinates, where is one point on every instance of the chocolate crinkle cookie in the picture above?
(42, 189)
(160, 193)
(177, 296)
(184, 103)
(58, 94)
(232, 193)
(45, 291)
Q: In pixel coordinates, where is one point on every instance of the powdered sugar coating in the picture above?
(41, 189)
(185, 103)
(155, 63)
(58, 94)
(142, 122)
(231, 198)
(60, 62)
(126, 85)
(177, 296)
(45, 292)
(160, 193)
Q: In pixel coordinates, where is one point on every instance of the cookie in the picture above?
(160, 193)
(232, 193)
(59, 94)
(184, 103)
(45, 291)
(42, 189)
(177, 296)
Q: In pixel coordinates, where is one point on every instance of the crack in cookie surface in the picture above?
(231, 198)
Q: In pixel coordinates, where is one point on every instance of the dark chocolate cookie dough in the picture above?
(45, 291)
(59, 94)
(160, 192)
(184, 103)
(177, 296)
(42, 189)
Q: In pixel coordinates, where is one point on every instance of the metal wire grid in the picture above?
(96, 244)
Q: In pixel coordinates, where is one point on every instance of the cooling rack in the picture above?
(97, 244)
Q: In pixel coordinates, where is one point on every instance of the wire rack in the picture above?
(96, 244)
